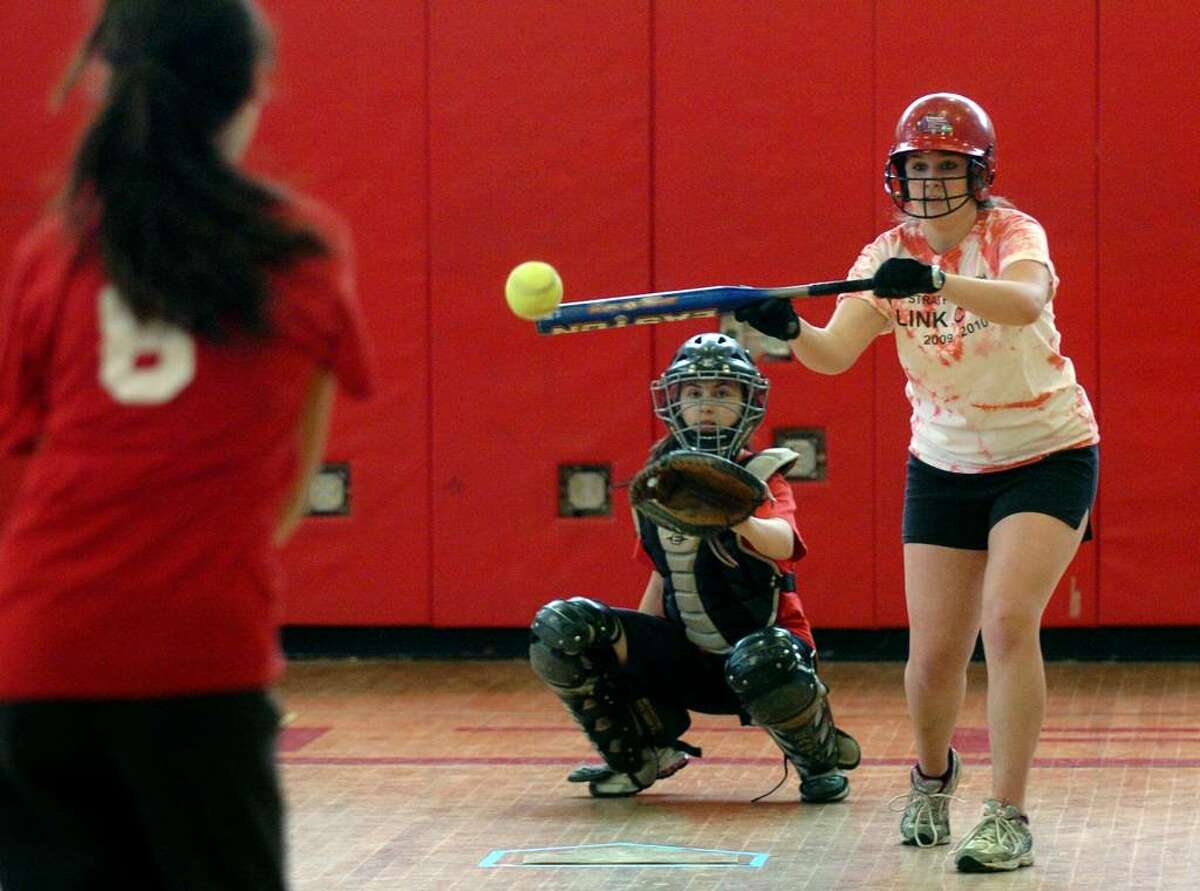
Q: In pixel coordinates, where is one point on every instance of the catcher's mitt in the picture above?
(696, 493)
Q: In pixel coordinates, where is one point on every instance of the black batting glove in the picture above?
(899, 277)
(772, 316)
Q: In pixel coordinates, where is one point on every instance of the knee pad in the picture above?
(773, 676)
(559, 669)
(575, 625)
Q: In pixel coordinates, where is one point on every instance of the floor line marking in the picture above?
(545, 761)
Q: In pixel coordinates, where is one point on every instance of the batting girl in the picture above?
(1003, 458)
(168, 340)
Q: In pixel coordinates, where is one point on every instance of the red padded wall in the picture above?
(1149, 117)
(763, 175)
(347, 124)
(539, 149)
(34, 141)
(646, 145)
(1033, 69)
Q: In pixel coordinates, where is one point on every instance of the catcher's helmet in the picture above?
(942, 122)
(711, 357)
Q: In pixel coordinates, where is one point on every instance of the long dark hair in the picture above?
(184, 236)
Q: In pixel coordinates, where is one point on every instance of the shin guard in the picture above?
(773, 676)
(623, 726)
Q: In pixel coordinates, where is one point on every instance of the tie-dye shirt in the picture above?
(984, 396)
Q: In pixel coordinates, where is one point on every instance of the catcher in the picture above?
(720, 628)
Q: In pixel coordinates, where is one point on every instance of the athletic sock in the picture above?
(943, 778)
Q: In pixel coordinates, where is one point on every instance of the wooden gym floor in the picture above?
(448, 775)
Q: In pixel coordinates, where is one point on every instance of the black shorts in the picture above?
(958, 510)
(177, 792)
(667, 667)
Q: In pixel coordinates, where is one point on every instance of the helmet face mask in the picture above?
(700, 414)
(913, 195)
(942, 122)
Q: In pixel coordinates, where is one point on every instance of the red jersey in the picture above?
(137, 560)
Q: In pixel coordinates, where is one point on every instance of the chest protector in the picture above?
(717, 588)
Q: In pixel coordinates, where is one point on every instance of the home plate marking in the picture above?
(618, 854)
(621, 856)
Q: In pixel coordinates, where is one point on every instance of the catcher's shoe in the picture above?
(815, 788)
(821, 788)
(604, 782)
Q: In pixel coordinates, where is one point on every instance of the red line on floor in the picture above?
(535, 761)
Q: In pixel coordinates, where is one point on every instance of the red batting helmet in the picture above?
(943, 122)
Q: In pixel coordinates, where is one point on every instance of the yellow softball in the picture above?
(533, 290)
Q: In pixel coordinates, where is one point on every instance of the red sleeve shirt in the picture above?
(137, 559)
(782, 505)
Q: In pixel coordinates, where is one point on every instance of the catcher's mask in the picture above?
(944, 122)
(711, 357)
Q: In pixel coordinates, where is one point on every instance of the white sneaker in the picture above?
(1001, 841)
(926, 819)
(604, 782)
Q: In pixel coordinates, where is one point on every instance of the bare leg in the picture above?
(1027, 555)
(943, 587)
